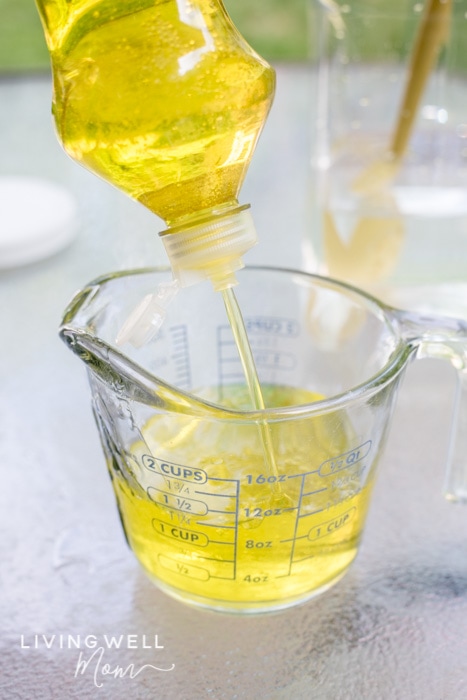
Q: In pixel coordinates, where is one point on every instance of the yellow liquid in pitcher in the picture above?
(162, 98)
(201, 513)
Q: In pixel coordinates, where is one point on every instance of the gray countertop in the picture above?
(394, 627)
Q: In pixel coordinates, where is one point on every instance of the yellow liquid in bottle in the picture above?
(164, 99)
(201, 516)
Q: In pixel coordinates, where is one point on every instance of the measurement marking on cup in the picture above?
(189, 570)
(327, 471)
(216, 559)
(187, 505)
(314, 512)
(292, 549)
(272, 326)
(312, 493)
(220, 512)
(298, 537)
(198, 539)
(217, 525)
(262, 329)
(227, 544)
(224, 534)
(172, 470)
(237, 498)
(331, 526)
(189, 533)
(227, 357)
(180, 356)
(274, 360)
(345, 460)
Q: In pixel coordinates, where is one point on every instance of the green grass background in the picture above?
(277, 29)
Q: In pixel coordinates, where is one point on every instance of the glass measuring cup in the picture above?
(209, 521)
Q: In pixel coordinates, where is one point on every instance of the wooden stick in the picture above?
(432, 34)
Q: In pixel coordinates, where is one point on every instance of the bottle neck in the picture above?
(210, 245)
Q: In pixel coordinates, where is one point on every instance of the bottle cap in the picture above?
(211, 248)
(37, 219)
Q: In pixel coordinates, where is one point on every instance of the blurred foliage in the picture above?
(22, 45)
(277, 29)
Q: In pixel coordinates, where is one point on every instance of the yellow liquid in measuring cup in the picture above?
(204, 518)
(162, 98)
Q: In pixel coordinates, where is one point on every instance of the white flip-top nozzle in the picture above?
(211, 248)
(147, 317)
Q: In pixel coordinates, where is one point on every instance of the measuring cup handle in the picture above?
(445, 338)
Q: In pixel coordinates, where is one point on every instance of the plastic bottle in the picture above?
(165, 100)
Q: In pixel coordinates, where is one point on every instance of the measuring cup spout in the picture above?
(154, 375)
(444, 338)
(89, 328)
